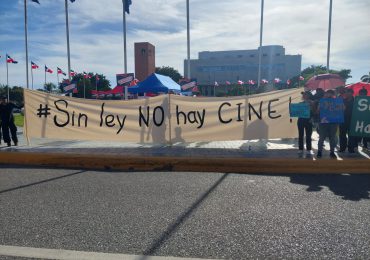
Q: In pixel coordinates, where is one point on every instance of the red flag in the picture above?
(48, 70)
(86, 76)
(72, 73)
(60, 71)
(34, 65)
(10, 60)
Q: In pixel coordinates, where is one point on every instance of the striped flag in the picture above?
(48, 70)
(34, 65)
(10, 60)
(60, 71)
(277, 80)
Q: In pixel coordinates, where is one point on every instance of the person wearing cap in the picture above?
(365, 140)
(305, 124)
(327, 130)
(7, 121)
(351, 141)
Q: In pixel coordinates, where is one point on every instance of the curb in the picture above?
(200, 164)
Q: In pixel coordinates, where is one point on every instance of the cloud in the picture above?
(96, 32)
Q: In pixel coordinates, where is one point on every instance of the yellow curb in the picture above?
(204, 164)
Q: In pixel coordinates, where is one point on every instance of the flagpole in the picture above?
(188, 37)
(96, 87)
(84, 87)
(45, 77)
(124, 43)
(57, 78)
(329, 36)
(7, 74)
(260, 48)
(32, 76)
(26, 39)
(68, 50)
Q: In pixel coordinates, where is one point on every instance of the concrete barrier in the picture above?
(203, 164)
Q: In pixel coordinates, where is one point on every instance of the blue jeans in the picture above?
(327, 130)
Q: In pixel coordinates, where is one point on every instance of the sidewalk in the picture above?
(258, 156)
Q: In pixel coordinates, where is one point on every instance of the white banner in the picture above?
(161, 119)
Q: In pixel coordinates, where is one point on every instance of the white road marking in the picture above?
(61, 254)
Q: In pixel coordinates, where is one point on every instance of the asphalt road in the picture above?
(203, 215)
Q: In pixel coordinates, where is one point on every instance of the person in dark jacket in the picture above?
(351, 141)
(7, 121)
(365, 140)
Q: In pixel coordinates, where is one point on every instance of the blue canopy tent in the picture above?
(155, 83)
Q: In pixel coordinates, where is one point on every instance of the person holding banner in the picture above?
(305, 124)
(351, 141)
(7, 121)
(328, 126)
(365, 140)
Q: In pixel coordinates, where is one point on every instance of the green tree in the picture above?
(50, 87)
(366, 78)
(15, 93)
(90, 84)
(170, 72)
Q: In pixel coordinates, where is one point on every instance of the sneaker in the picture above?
(319, 154)
(15, 143)
(333, 156)
(9, 144)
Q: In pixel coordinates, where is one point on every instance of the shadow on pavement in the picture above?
(180, 220)
(350, 187)
(40, 182)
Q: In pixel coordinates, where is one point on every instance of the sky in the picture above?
(96, 38)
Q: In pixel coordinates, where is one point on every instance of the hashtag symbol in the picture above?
(43, 111)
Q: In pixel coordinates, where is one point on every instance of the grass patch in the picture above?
(18, 120)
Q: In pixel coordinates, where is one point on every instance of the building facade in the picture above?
(222, 66)
(144, 60)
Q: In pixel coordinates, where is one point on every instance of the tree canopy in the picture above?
(170, 72)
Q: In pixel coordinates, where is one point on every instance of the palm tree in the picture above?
(366, 78)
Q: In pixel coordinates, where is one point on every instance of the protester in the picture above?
(327, 130)
(344, 127)
(7, 121)
(316, 114)
(305, 125)
(365, 140)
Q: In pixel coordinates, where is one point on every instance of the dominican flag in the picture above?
(48, 70)
(277, 80)
(127, 4)
(60, 71)
(34, 65)
(87, 76)
(10, 60)
(264, 81)
(228, 82)
(72, 73)
(301, 78)
(97, 77)
(288, 82)
(240, 82)
(251, 82)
